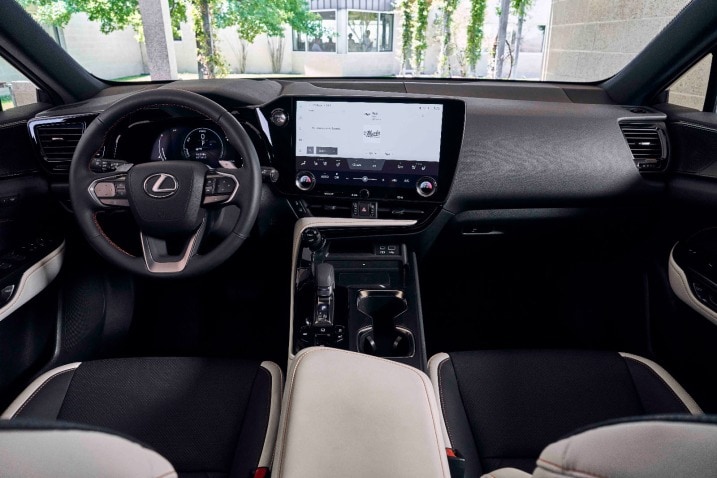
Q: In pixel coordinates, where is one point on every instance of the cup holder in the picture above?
(383, 338)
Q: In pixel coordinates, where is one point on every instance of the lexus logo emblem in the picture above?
(161, 185)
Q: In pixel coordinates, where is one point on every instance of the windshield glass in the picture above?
(542, 40)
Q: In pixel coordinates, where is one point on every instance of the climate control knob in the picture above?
(305, 181)
(426, 186)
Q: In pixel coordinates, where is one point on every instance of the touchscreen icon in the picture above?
(309, 150)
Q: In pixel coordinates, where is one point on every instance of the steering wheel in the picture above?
(169, 200)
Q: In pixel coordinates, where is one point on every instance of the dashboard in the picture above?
(335, 151)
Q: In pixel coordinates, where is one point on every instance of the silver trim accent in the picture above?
(681, 393)
(157, 191)
(272, 430)
(326, 222)
(34, 280)
(31, 389)
(175, 266)
(680, 286)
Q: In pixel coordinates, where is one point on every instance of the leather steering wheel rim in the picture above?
(81, 176)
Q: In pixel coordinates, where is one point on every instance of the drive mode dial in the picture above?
(426, 186)
(305, 181)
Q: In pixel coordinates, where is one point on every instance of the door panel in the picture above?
(31, 247)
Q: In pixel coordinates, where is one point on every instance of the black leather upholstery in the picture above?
(208, 417)
(503, 407)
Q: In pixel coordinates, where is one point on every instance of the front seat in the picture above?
(207, 417)
(649, 447)
(502, 407)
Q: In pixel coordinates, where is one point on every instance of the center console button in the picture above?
(305, 181)
(364, 194)
(426, 186)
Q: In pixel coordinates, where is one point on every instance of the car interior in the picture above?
(524, 285)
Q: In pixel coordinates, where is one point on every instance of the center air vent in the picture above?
(58, 142)
(648, 144)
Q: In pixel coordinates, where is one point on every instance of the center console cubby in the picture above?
(360, 295)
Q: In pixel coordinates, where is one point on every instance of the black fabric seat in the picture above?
(501, 408)
(208, 417)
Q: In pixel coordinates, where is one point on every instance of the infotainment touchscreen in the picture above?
(374, 144)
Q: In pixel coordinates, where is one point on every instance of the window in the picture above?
(15, 89)
(691, 88)
(369, 31)
(324, 43)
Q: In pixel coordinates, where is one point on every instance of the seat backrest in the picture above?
(644, 447)
(649, 447)
(31, 448)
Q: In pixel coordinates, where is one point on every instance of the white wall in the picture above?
(110, 56)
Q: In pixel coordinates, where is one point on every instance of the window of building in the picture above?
(15, 89)
(691, 88)
(326, 42)
(369, 31)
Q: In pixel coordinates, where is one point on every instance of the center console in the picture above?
(364, 157)
(356, 291)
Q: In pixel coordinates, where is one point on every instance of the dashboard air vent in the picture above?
(58, 141)
(648, 144)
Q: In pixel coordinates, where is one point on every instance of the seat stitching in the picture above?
(656, 375)
(565, 469)
(443, 401)
(29, 399)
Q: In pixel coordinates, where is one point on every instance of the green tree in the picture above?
(405, 9)
(447, 47)
(519, 9)
(252, 18)
(474, 34)
(421, 44)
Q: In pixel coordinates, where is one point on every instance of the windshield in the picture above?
(541, 40)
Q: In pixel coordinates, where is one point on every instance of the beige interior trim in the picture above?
(277, 386)
(433, 364)
(327, 222)
(34, 280)
(681, 288)
(507, 473)
(669, 381)
(354, 415)
(35, 387)
(78, 453)
(641, 449)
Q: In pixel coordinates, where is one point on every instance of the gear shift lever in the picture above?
(324, 312)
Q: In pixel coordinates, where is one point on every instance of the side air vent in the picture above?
(648, 144)
(58, 142)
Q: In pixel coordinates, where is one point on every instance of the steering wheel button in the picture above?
(224, 186)
(105, 190)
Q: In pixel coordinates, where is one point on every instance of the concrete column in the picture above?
(158, 36)
(342, 18)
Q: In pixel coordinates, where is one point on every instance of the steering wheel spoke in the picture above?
(159, 261)
(109, 191)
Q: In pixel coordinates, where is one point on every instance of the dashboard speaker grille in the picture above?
(58, 142)
(648, 144)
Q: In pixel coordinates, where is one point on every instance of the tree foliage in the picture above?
(422, 7)
(520, 7)
(252, 18)
(447, 47)
(474, 34)
(112, 15)
(405, 8)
